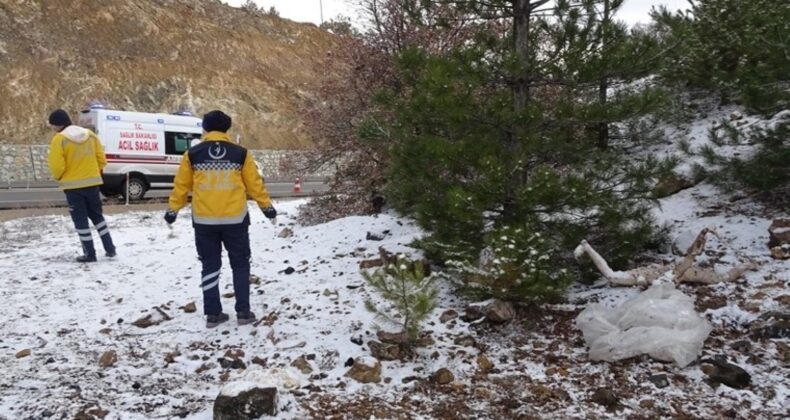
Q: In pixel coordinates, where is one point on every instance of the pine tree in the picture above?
(737, 48)
(503, 134)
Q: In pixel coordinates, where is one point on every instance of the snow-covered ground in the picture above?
(68, 315)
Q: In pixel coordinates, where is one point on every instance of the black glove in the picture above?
(170, 216)
(270, 214)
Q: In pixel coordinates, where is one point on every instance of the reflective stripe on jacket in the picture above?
(220, 176)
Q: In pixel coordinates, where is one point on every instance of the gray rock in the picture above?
(443, 376)
(393, 338)
(465, 340)
(778, 329)
(383, 351)
(500, 311)
(303, 365)
(448, 316)
(660, 380)
(779, 233)
(722, 372)
(108, 359)
(605, 397)
(743, 346)
(365, 372)
(247, 405)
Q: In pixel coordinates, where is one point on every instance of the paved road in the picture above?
(46, 197)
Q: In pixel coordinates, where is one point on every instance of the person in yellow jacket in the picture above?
(76, 159)
(220, 175)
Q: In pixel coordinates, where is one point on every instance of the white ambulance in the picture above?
(142, 147)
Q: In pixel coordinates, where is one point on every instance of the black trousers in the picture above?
(84, 205)
(209, 240)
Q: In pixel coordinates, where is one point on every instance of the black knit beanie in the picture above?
(216, 121)
(59, 117)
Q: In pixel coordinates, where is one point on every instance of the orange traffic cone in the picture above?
(297, 186)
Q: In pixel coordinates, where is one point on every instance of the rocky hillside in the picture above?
(157, 56)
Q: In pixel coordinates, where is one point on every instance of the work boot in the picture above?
(111, 254)
(245, 318)
(86, 258)
(214, 320)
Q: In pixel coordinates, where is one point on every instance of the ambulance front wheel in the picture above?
(136, 189)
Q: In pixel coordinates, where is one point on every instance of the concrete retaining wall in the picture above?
(20, 163)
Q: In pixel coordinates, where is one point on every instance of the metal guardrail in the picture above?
(12, 185)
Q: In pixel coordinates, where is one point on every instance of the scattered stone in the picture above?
(288, 271)
(285, 233)
(778, 329)
(23, 353)
(500, 311)
(137, 385)
(473, 313)
(365, 370)
(541, 392)
(705, 302)
(246, 405)
(108, 359)
(484, 363)
(647, 404)
(671, 185)
(171, 357)
(393, 338)
(743, 346)
(383, 351)
(255, 279)
(779, 233)
(781, 252)
(228, 295)
(303, 365)
(465, 341)
(105, 331)
(604, 397)
(357, 339)
(189, 308)
(154, 317)
(554, 370)
(375, 237)
(260, 361)
(448, 316)
(408, 379)
(91, 412)
(349, 362)
(722, 372)
(483, 393)
(231, 363)
(660, 380)
(443, 376)
(234, 354)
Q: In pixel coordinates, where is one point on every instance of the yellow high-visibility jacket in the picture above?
(220, 176)
(76, 158)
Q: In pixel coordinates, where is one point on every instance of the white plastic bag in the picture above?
(660, 321)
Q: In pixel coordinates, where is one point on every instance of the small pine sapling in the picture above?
(409, 291)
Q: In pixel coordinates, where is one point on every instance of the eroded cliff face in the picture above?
(158, 56)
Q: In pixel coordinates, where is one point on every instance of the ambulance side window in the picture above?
(177, 143)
